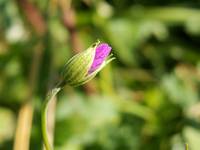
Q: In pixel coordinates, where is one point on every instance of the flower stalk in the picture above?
(49, 97)
(78, 70)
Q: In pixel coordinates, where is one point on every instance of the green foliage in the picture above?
(147, 99)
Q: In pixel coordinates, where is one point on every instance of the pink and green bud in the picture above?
(85, 65)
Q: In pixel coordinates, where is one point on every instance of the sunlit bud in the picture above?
(85, 65)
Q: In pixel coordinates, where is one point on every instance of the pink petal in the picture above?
(102, 52)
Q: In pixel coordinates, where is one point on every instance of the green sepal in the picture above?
(93, 74)
(77, 67)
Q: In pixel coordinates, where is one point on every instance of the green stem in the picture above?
(49, 97)
(186, 147)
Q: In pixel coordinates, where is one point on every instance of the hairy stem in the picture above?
(45, 137)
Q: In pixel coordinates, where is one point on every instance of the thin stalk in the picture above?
(186, 147)
(45, 136)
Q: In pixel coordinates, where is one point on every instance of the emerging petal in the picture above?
(101, 53)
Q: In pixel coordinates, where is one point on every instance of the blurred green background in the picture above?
(146, 99)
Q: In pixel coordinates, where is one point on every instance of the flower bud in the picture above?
(85, 65)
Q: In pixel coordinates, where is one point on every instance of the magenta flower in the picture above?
(101, 53)
(85, 65)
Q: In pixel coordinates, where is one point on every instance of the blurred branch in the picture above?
(69, 20)
(33, 16)
(24, 123)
